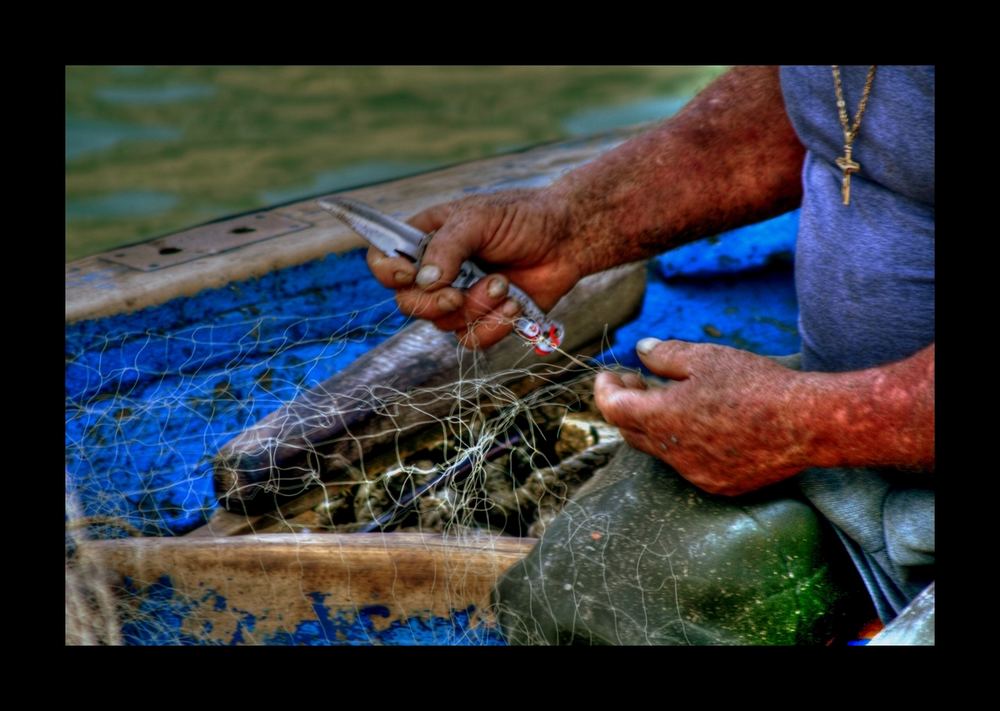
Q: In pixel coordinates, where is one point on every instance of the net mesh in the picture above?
(152, 396)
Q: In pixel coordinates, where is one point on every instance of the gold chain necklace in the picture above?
(850, 132)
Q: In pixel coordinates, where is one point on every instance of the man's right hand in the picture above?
(519, 235)
(710, 168)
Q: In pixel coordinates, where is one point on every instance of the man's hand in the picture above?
(519, 235)
(734, 422)
(729, 158)
(724, 424)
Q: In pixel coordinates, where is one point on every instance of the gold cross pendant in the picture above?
(848, 166)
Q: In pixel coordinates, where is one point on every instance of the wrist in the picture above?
(879, 417)
(823, 402)
(563, 209)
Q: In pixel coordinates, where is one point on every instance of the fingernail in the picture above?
(497, 287)
(402, 277)
(510, 308)
(448, 302)
(646, 345)
(428, 275)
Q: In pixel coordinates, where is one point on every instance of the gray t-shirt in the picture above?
(865, 280)
(865, 272)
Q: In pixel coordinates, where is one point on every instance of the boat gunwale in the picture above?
(97, 287)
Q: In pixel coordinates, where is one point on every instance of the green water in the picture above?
(153, 150)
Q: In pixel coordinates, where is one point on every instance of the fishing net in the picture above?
(152, 396)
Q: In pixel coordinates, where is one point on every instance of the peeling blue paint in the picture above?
(340, 627)
(160, 616)
(247, 622)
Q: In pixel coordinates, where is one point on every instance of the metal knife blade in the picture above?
(393, 237)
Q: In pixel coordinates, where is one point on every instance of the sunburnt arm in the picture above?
(733, 422)
(878, 417)
(729, 158)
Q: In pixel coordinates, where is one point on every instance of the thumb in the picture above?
(669, 359)
(459, 238)
(622, 403)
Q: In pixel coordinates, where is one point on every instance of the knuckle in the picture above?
(637, 440)
(491, 330)
(615, 413)
(414, 303)
(404, 303)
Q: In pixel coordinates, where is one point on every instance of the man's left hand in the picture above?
(727, 422)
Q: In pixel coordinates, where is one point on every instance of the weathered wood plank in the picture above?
(282, 581)
(97, 287)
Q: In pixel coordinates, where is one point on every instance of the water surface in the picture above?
(605, 118)
(89, 136)
(346, 177)
(122, 204)
(145, 96)
(225, 140)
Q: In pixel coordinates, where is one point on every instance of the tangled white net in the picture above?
(470, 461)
(462, 459)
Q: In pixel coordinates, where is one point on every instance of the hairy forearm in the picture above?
(879, 417)
(730, 157)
